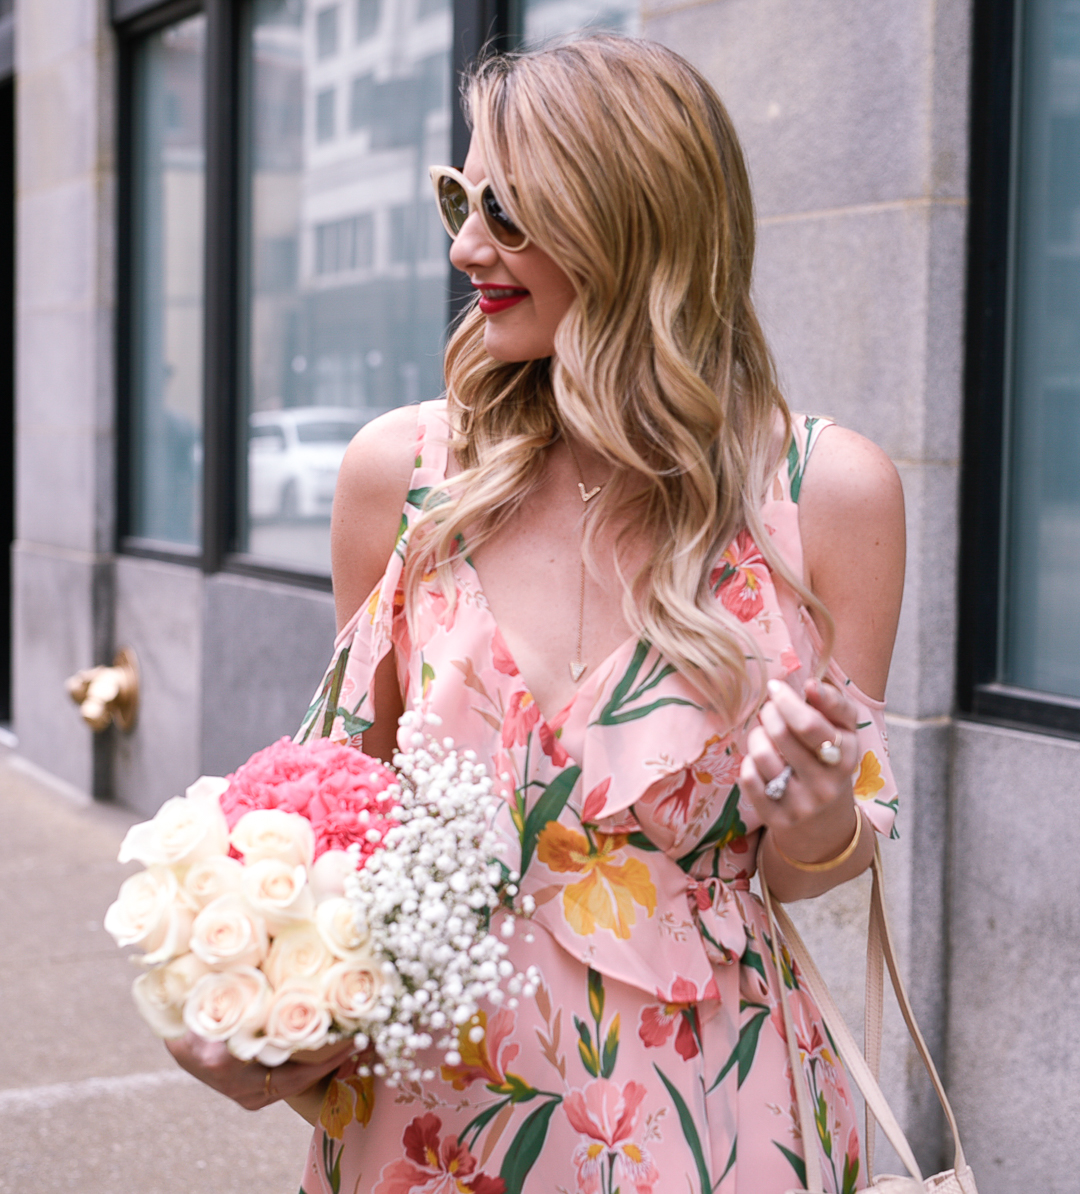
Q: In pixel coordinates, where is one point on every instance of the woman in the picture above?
(629, 580)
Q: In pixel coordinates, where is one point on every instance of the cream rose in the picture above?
(160, 994)
(152, 912)
(351, 990)
(329, 872)
(298, 951)
(212, 877)
(341, 926)
(224, 1003)
(227, 933)
(184, 829)
(296, 1019)
(271, 833)
(278, 892)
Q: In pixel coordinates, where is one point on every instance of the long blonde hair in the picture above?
(621, 162)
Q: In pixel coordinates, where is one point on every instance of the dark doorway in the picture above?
(7, 381)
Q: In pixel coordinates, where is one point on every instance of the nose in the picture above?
(473, 248)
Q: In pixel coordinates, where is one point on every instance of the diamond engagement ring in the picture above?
(777, 786)
(829, 752)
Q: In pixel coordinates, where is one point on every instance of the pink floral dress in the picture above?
(653, 1057)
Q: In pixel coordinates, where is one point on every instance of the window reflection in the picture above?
(1042, 564)
(168, 173)
(540, 21)
(347, 281)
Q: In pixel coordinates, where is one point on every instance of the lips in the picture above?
(494, 299)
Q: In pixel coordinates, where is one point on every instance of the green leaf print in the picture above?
(417, 497)
(551, 803)
(310, 717)
(851, 1176)
(743, 1053)
(525, 1147)
(796, 1162)
(589, 1058)
(797, 466)
(334, 695)
(477, 1125)
(730, 1160)
(611, 1050)
(726, 828)
(615, 712)
(690, 1132)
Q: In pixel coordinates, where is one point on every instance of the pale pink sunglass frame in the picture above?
(475, 196)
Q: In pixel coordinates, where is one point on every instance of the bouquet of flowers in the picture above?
(315, 894)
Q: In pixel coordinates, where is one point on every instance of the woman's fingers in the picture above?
(803, 727)
(249, 1083)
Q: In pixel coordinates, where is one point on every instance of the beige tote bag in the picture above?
(863, 1072)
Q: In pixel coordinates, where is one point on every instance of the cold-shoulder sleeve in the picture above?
(343, 705)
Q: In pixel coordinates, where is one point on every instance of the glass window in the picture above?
(346, 289)
(166, 322)
(539, 21)
(1041, 576)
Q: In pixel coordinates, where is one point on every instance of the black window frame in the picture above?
(994, 87)
(476, 24)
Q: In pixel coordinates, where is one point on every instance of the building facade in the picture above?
(226, 261)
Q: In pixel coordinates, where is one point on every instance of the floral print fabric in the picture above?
(653, 1056)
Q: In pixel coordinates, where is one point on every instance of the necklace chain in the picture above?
(578, 666)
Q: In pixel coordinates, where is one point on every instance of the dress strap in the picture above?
(432, 445)
(805, 432)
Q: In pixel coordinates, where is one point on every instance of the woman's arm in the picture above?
(851, 518)
(372, 486)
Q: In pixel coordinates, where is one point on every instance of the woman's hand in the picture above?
(816, 817)
(247, 1082)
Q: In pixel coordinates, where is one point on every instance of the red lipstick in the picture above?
(494, 299)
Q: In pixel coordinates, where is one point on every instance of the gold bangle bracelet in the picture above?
(829, 864)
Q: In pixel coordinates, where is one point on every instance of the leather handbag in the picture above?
(863, 1070)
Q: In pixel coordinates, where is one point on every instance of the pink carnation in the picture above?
(339, 789)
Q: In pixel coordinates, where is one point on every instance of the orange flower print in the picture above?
(337, 1109)
(869, 781)
(739, 578)
(486, 1060)
(522, 714)
(719, 763)
(606, 897)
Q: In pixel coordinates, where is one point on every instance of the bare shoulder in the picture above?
(372, 485)
(851, 520)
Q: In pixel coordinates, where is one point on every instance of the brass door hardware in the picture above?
(107, 694)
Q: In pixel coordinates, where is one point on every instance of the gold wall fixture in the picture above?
(107, 694)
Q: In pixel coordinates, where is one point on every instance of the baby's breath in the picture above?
(427, 897)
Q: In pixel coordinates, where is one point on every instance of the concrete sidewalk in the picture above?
(89, 1099)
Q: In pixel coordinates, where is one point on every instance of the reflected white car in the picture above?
(293, 459)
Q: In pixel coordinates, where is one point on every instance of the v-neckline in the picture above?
(561, 716)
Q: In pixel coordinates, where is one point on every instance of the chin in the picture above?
(514, 349)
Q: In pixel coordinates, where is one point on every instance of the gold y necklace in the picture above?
(577, 665)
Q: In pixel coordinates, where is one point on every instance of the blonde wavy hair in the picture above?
(622, 164)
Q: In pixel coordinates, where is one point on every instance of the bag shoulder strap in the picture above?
(880, 944)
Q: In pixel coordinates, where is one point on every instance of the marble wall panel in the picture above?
(159, 615)
(1014, 983)
(265, 649)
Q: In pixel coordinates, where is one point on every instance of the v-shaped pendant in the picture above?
(586, 496)
(577, 669)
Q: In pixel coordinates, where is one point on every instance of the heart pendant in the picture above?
(591, 493)
(577, 669)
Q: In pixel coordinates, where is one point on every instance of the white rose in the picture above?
(271, 833)
(329, 872)
(351, 990)
(298, 951)
(296, 1019)
(153, 913)
(213, 877)
(228, 933)
(341, 925)
(226, 1002)
(160, 994)
(183, 830)
(278, 892)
